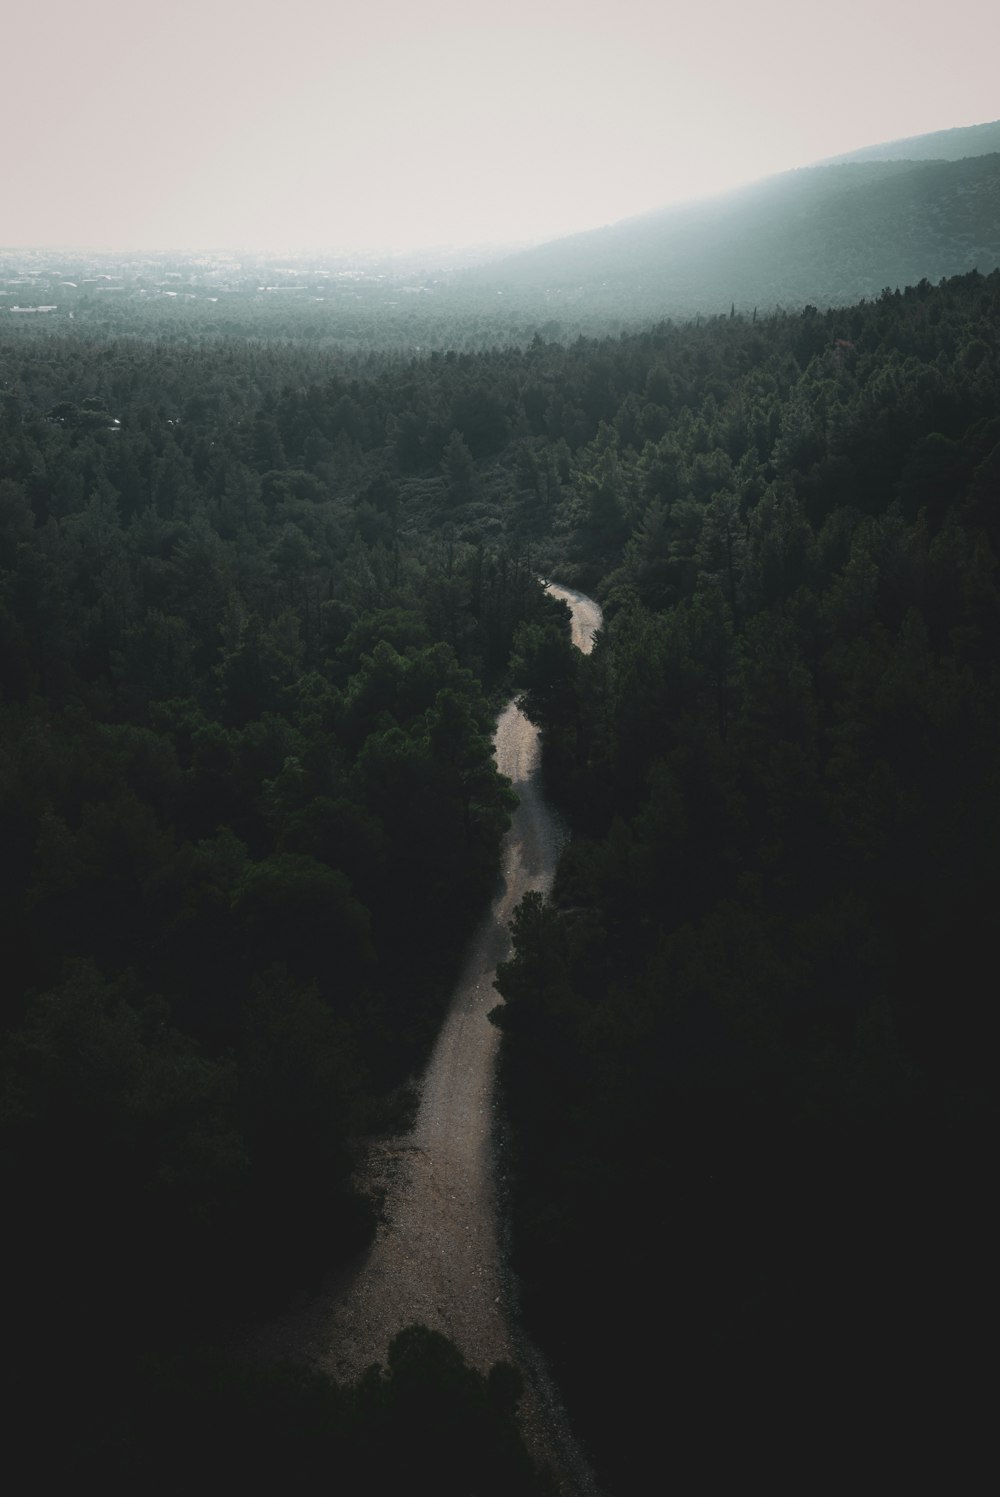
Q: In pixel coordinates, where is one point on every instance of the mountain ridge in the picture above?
(832, 233)
(937, 145)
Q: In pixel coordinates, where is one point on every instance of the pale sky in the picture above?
(128, 124)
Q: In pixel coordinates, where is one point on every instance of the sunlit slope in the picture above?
(826, 235)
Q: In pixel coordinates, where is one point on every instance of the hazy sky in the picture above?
(212, 123)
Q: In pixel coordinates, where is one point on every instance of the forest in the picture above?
(260, 598)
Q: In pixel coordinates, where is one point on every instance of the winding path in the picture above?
(436, 1256)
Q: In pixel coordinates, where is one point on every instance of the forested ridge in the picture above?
(827, 234)
(258, 601)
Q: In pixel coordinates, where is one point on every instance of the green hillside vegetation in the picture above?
(259, 599)
(746, 1047)
(826, 235)
(249, 816)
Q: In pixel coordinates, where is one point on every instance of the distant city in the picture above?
(44, 281)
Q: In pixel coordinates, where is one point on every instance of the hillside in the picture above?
(828, 235)
(941, 145)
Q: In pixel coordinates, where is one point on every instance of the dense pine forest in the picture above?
(748, 1057)
(260, 597)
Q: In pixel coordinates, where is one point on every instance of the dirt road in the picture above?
(437, 1256)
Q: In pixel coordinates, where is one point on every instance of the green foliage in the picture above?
(543, 666)
(249, 813)
(743, 1052)
(200, 1416)
(250, 638)
(459, 469)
